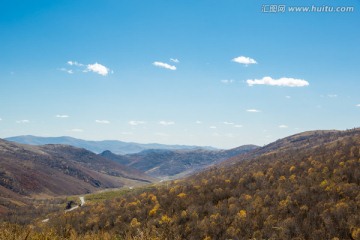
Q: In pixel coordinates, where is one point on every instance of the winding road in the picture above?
(82, 203)
(82, 199)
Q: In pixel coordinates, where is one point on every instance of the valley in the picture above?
(304, 186)
(170, 164)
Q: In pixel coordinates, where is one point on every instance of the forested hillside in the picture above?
(308, 192)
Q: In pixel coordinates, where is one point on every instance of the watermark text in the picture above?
(281, 8)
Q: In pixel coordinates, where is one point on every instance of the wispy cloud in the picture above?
(102, 121)
(227, 81)
(288, 97)
(174, 60)
(238, 126)
(23, 121)
(62, 116)
(0, 119)
(283, 126)
(253, 110)
(198, 122)
(282, 82)
(332, 95)
(244, 60)
(69, 71)
(212, 127)
(166, 123)
(228, 123)
(74, 63)
(358, 105)
(76, 130)
(164, 65)
(135, 123)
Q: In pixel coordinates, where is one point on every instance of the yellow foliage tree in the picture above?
(242, 214)
(181, 195)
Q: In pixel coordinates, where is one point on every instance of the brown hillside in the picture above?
(59, 170)
(307, 189)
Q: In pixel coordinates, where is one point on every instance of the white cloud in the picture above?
(284, 82)
(0, 119)
(174, 60)
(164, 65)
(165, 123)
(102, 121)
(244, 60)
(283, 126)
(62, 116)
(98, 68)
(332, 95)
(228, 123)
(227, 81)
(135, 123)
(288, 97)
(74, 63)
(76, 130)
(23, 121)
(253, 110)
(358, 105)
(198, 122)
(238, 126)
(213, 127)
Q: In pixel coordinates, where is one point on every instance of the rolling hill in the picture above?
(53, 170)
(114, 146)
(298, 142)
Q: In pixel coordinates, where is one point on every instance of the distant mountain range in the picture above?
(162, 163)
(114, 146)
(53, 170)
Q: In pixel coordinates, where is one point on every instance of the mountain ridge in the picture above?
(299, 141)
(116, 146)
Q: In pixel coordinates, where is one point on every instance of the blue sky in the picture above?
(207, 72)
